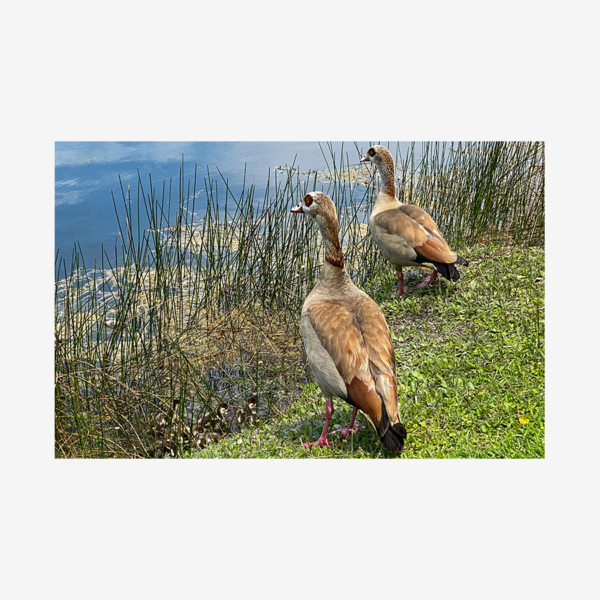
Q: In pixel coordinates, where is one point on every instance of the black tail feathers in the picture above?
(393, 439)
(449, 271)
(393, 435)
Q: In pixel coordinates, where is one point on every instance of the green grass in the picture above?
(470, 363)
(201, 307)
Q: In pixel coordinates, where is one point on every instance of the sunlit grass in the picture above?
(470, 364)
(193, 309)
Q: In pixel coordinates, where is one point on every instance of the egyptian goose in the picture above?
(221, 426)
(202, 428)
(347, 339)
(160, 423)
(406, 234)
(247, 414)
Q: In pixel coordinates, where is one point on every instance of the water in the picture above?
(87, 172)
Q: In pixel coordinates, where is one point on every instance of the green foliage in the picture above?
(470, 364)
(197, 309)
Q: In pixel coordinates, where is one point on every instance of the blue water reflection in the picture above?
(87, 172)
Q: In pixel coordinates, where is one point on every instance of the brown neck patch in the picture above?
(333, 251)
(336, 258)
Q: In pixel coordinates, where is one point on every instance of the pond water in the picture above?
(87, 172)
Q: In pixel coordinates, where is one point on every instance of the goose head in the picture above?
(378, 155)
(321, 208)
(318, 205)
(222, 408)
(384, 162)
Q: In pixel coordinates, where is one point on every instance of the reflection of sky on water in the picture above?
(87, 172)
(88, 153)
(74, 190)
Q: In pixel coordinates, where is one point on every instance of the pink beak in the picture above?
(365, 158)
(297, 209)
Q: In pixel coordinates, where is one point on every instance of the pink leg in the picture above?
(401, 288)
(429, 279)
(351, 427)
(323, 441)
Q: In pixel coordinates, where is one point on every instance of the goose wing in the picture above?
(418, 230)
(356, 339)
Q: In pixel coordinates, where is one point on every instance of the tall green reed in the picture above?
(475, 190)
(198, 307)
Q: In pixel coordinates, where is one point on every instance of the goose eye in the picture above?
(371, 152)
(308, 200)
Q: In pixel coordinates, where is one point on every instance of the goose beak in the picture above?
(297, 209)
(365, 158)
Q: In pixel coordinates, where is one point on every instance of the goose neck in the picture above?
(387, 174)
(331, 244)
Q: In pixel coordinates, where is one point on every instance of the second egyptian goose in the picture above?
(221, 426)
(405, 233)
(247, 414)
(347, 339)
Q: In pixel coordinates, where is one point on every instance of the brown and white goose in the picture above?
(406, 234)
(347, 339)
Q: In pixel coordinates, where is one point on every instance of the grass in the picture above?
(470, 363)
(193, 308)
